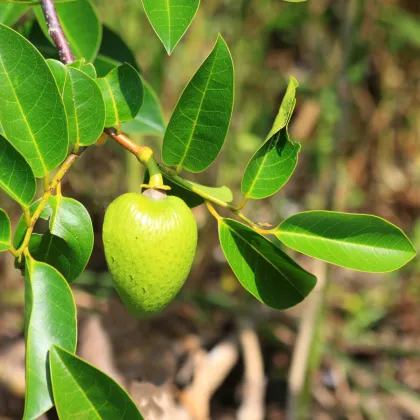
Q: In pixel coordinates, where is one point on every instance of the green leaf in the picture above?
(81, 25)
(199, 124)
(286, 108)
(220, 193)
(16, 176)
(170, 19)
(64, 83)
(85, 67)
(68, 244)
(262, 268)
(122, 90)
(112, 53)
(5, 231)
(83, 392)
(150, 118)
(50, 318)
(271, 166)
(32, 113)
(275, 161)
(11, 12)
(90, 108)
(357, 241)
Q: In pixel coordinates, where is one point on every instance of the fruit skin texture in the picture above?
(150, 242)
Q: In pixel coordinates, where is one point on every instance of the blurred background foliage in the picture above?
(358, 65)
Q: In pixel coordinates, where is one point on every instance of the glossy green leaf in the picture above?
(271, 166)
(65, 87)
(199, 124)
(11, 12)
(357, 241)
(5, 231)
(68, 243)
(81, 25)
(170, 19)
(262, 268)
(85, 67)
(16, 176)
(112, 53)
(286, 108)
(275, 161)
(83, 392)
(150, 118)
(32, 113)
(90, 107)
(50, 318)
(122, 91)
(193, 197)
(220, 193)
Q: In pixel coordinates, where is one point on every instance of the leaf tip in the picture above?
(294, 81)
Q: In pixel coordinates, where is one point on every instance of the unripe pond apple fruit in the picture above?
(150, 242)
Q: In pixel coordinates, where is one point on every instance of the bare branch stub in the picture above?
(56, 32)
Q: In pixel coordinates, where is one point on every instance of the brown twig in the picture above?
(56, 31)
(67, 57)
(124, 141)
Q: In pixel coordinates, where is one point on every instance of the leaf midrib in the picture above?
(168, 7)
(6, 188)
(24, 116)
(335, 241)
(262, 255)
(76, 117)
(187, 146)
(77, 384)
(260, 166)
(114, 104)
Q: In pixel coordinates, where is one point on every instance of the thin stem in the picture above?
(58, 190)
(46, 181)
(213, 211)
(14, 251)
(27, 215)
(47, 194)
(145, 156)
(242, 204)
(155, 175)
(56, 31)
(124, 141)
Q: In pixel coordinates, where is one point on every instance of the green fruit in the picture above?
(150, 242)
